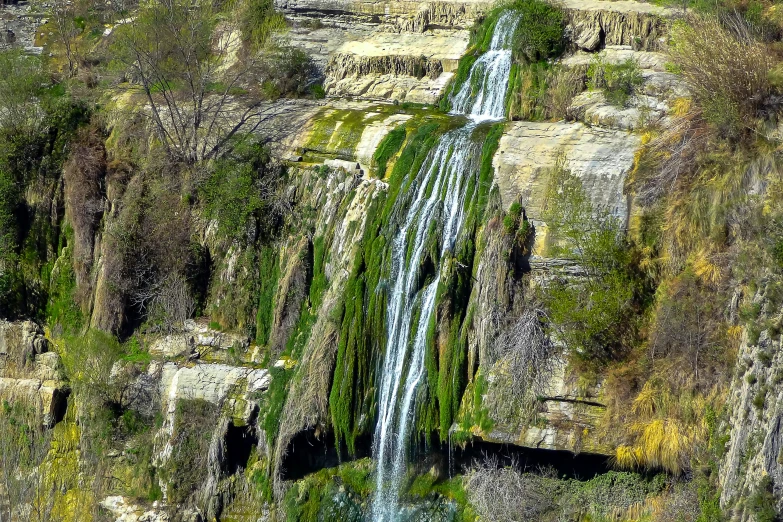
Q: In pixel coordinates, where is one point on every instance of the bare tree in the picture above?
(194, 75)
(525, 348)
(64, 14)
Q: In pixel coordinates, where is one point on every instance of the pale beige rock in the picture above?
(569, 418)
(601, 158)
(405, 67)
(124, 510)
(595, 23)
(399, 14)
(197, 338)
(592, 108)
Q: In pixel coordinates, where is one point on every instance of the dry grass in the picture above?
(726, 69)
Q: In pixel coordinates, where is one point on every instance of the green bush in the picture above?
(241, 189)
(617, 80)
(259, 22)
(539, 35)
(187, 467)
(595, 314)
(763, 503)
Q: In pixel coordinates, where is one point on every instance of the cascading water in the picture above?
(437, 195)
(483, 94)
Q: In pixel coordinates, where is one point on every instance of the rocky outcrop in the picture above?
(601, 158)
(30, 373)
(567, 417)
(198, 340)
(412, 16)
(18, 25)
(594, 24)
(124, 510)
(404, 67)
(754, 449)
(342, 65)
(650, 102)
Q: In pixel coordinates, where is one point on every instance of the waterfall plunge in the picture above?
(438, 195)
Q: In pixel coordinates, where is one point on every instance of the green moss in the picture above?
(338, 131)
(274, 401)
(618, 81)
(61, 308)
(388, 148)
(269, 272)
(331, 494)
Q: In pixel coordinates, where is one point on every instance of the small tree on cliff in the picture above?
(194, 74)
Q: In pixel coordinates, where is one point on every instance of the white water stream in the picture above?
(437, 195)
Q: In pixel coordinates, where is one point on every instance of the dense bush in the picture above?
(618, 81)
(727, 69)
(192, 434)
(244, 193)
(539, 35)
(593, 315)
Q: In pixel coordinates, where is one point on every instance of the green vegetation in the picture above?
(594, 316)
(242, 192)
(191, 437)
(389, 147)
(539, 37)
(618, 81)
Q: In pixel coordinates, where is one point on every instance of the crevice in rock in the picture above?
(239, 441)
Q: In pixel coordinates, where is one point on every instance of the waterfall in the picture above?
(436, 195)
(483, 94)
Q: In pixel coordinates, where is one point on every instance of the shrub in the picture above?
(259, 22)
(243, 193)
(593, 315)
(617, 80)
(762, 504)
(727, 70)
(192, 434)
(539, 35)
(687, 327)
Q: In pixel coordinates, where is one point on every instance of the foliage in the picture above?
(243, 193)
(260, 22)
(21, 85)
(540, 91)
(274, 401)
(540, 33)
(196, 104)
(594, 314)
(187, 467)
(762, 503)
(618, 80)
(727, 69)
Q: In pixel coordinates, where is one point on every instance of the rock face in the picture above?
(412, 67)
(593, 24)
(17, 27)
(29, 373)
(568, 417)
(650, 103)
(755, 444)
(198, 340)
(601, 158)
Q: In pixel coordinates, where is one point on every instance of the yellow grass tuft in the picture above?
(705, 268)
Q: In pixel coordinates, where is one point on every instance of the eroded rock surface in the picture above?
(29, 372)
